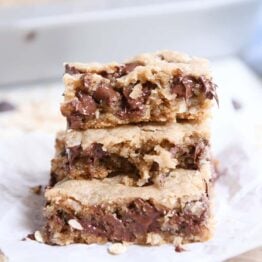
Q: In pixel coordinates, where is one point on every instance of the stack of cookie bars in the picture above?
(134, 163)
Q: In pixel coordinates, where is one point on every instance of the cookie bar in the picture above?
(158, 87)
(147, 152)
(97, 211)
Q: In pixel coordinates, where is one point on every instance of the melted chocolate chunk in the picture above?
(91, 154)
(95, 152)
(85, 105)
(136, 220)
(209, 88)
(137, 104)
(187, 86)
(189, 157)
(132, 104)
(139, 218)
(75, 121)
(106, 95)
(199, 149)
(183, 87)
(79, 109)
(73, 153)
(6, 106)
(82, 106)
(119, 72)
(154, 167)
(188, 223)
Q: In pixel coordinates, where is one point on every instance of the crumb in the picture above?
(36, 189)
(117, 249)
(6, 106)
(179, 249)
(236, 104)
(29, 236)
(3, 257)
(38, 237)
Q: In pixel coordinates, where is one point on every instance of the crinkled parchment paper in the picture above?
(26, 147)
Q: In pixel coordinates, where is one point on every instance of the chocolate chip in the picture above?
(79, 109)
(137, 219)
(138, 103)
(72, 70)
(53, 179)
(85, 105)
(187, 86)
(209, 88)
(236, 104)
(154, 167)
(199, 149)
(106, 95)
(118, 72)
(36, 189)
(95, 152)
(6, 106)
(132, 104)
(30, 236)
(73, 153)
(179, 249)
(183, 86)
(75, 121)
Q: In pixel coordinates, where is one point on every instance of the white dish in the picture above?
(36, 40)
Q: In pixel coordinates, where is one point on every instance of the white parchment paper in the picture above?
(26, 147)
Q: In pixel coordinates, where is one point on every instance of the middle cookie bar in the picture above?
(145, 153)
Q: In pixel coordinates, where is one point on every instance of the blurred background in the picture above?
(37, 36)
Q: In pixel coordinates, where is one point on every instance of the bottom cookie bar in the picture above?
(95, 211)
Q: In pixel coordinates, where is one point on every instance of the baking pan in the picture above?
(36, 39)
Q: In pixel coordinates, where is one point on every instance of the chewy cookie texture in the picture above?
(95, 211)
(146, 153)
(160, 87)
(134, 163)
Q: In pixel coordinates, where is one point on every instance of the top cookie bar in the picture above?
(158, 87)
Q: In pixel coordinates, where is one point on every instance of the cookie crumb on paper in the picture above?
(36, 189)
(117, 249)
